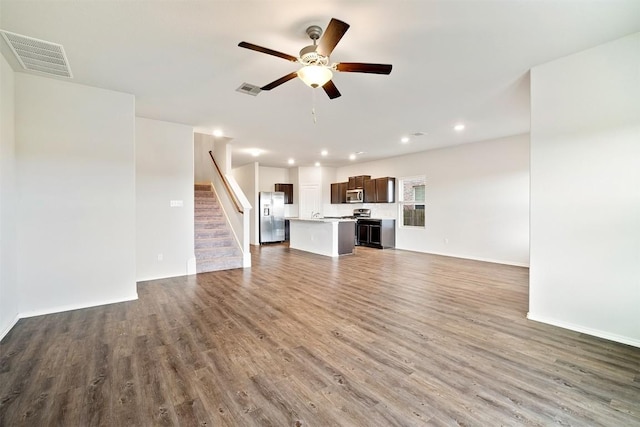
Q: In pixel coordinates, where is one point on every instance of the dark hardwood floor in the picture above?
(375, 339)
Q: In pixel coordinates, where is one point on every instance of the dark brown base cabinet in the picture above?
(346, 230)
(286, 230)
(376, 233)
(287, 189)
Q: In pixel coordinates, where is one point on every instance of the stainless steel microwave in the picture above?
(355, 196)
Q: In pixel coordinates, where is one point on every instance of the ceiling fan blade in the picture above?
(359, 67)
(281, 80)
(331, 90)
(332, 35)
(267, 51)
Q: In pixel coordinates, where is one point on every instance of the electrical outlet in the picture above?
(176, 203)
(160, 257)
(446, 240)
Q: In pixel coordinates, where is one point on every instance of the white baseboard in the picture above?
(585, 330)
(8, 328)
(493, 261)
(62, 308)
(163, 276)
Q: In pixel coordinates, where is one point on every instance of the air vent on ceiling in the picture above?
(249, 89)
(38, 55)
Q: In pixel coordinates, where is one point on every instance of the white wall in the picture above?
(293, 210)
(269, 176)
(223, 154)
(164, 172)
(202, 164)
(247, 178)
(477, 199)
(328, 177)
(9, 300)
(76, 180)
(585, 191)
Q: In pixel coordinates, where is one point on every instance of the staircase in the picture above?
(215, 246)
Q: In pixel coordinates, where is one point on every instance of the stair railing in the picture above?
(236, 208)
(227, 187)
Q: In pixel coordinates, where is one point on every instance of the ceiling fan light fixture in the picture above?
(315, 75)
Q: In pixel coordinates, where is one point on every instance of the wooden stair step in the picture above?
(204, 209)
(199, 213)
(207, 204)
(215, 242)
(211, 233)
(211, 226)
(205, 194)
(208, 222)
(228, 264)
(204, 254)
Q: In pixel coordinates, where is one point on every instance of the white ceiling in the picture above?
(453, 61)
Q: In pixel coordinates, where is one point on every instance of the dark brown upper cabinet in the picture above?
(287, 189)
(339, 192)
(380, 190)
(357, 181)
(370, 191)
(385, 190)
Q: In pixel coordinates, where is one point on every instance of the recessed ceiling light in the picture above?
(317, 163)
(459, 127)
(324, 152)
(352, 156)
(291, 161)
(217, 133)
(404, 139)
(255, 152)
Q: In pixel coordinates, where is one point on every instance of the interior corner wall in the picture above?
(248, 178)
(164, 173)
(202, 165)
(75, 163)
(585, 191)
(9, 296)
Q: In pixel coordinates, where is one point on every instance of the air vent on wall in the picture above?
(38, 55)
(249, 89)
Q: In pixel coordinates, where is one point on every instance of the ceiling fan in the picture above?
(316, 69)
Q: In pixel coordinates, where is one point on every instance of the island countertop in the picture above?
(323, 219)
(324, 236)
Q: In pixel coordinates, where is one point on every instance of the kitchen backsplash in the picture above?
(378, 210)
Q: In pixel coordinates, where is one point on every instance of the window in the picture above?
(412, 201)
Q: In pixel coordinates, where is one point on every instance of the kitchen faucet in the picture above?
(315, 214)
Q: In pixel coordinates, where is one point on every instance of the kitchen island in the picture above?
(324, 236)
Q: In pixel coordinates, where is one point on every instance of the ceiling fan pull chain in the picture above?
(313, 106)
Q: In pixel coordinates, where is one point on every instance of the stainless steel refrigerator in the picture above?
(271, 216)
